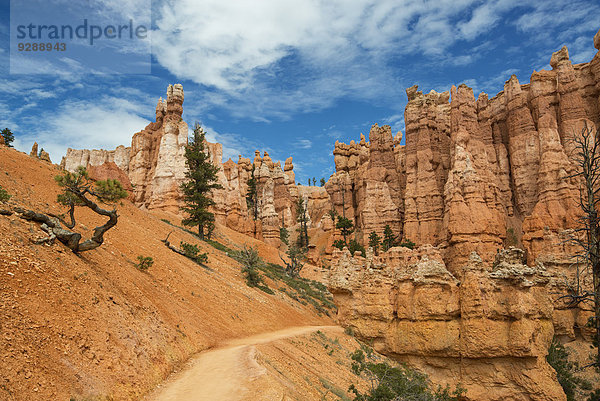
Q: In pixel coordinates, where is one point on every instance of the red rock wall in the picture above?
(475, 174)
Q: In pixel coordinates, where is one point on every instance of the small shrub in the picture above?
(4, 196)
(248, 257)
(349, 331)
(144, 262)
(220, 247)
(312, 291)
(295, 265)
(193, 252)
(408, 244)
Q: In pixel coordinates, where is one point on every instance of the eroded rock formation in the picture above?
(488, 332)
(475, 174)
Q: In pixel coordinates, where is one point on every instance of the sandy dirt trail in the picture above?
(223, 373)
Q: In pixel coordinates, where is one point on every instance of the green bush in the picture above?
(354, 246)
(248, 257)
(311, 291)
(193, 252)
(558, 358)
(391, 383)
(408, 244)
(339, 244)
(4, 196)
(144, 262)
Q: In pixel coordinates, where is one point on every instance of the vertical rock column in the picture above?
(427, 160)
(474, 216)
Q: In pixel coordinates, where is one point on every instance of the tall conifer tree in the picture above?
(201, 180)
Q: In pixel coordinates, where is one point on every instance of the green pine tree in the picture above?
(345, 226)
(252, 195)
(322, 182)
(201, 180)
(8, 137)
(374, 242)
(303, 220)
(284, 235)
(389, 239)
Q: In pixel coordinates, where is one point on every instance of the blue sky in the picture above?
(289, 76)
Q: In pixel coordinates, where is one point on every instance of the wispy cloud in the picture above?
(104, 123)
(303, 143)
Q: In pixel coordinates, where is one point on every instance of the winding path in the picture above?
(221, 374)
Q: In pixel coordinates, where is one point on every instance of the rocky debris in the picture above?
(489, 331)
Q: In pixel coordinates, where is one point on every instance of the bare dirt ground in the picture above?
(225, 373)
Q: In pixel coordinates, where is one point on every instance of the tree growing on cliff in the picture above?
(79, 191)
(374, 242)
(389, 239)
(284, 235)
(201, 179)
(8, 137)
(345, 226)
(322, 181)
(302, 218)
(586, 157)
(252, 195)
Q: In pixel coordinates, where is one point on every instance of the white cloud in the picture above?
(245, 50)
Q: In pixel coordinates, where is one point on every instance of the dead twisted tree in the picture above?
(79, 191)
(586, 156)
